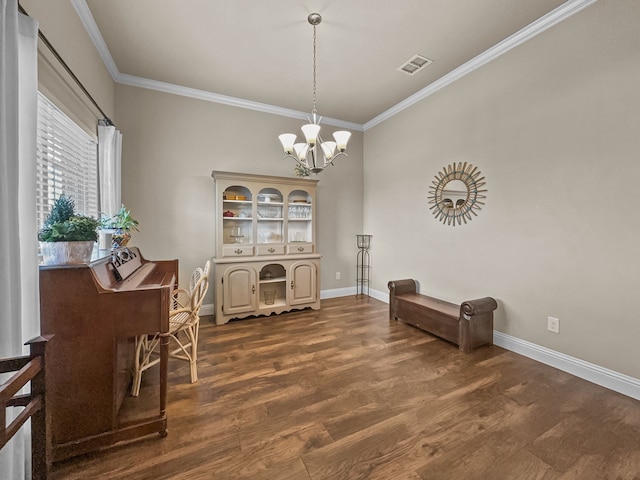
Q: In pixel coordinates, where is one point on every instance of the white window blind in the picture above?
(67, 162)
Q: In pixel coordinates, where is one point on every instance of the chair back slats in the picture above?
(195, 278)
(207, 268)
(29, 369)
(198, 293)
(31, 408)
(20, 379)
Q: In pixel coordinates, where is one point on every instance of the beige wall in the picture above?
(554, 127)
(172, 144)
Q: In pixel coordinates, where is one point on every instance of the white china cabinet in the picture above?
(266, 260)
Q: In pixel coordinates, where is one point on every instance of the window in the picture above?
(67, 162)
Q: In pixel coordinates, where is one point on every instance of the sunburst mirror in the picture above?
(457, 193)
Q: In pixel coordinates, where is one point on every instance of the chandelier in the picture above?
(314, 155)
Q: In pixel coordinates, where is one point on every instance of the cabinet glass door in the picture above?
(237, 226)
(270, 218)
(299, 217)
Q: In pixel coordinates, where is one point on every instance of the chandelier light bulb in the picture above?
(301, 150)
(329, 149)
(342, 138)
(287, 140)
(311, 132)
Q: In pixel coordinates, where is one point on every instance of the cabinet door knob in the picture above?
(238, 251)
(253, 289)
(271, 250)
(301, 249)
(291, 284)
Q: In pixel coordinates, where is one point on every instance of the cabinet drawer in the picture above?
(237, 251)
(296, 249)
(271, 250)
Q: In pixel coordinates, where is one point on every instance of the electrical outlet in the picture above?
(553, 324)
(338, 276)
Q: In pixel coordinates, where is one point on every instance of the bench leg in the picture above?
(475, 332)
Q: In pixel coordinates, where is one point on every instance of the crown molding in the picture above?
(552, 18)
(134, 81)
(82, 9)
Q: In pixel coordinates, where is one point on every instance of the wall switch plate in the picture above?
(338, 276)
(553, 324)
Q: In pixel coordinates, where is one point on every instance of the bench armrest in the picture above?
(478, 307)
(399, 287)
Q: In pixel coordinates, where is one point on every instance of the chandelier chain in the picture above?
(314, 111)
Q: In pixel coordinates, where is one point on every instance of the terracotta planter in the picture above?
(65, 253)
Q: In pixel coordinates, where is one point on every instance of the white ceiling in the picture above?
(261, 51)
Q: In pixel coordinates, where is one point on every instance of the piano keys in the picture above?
(95, 311)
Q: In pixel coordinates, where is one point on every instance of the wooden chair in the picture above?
(184, 326)
(28, 369)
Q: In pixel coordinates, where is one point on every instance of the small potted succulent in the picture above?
(66, 237)
(121, 225)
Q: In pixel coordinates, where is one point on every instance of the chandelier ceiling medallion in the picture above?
(314, 155)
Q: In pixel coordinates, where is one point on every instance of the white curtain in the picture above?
(109, 158)
(19, 316)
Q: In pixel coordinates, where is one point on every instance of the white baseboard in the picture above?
(338, 292)
(378, 295)
(207, 309)
(604, 377)
(345, 292)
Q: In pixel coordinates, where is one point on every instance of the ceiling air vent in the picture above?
(415, 64)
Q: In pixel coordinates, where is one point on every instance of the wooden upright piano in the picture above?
(95, 311)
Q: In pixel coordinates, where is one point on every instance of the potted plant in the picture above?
(302, 171)
(65, 236)
(121, 224)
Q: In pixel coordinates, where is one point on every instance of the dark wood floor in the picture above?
(343, 393)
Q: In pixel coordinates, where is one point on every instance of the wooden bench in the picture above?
(469, 325)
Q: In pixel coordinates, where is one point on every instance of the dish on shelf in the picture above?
(299, 201)
(227, 196)
(269, 197)
(268, 212)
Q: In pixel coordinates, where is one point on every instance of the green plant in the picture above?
(63, 225)
(301, 170)
(121, 221)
